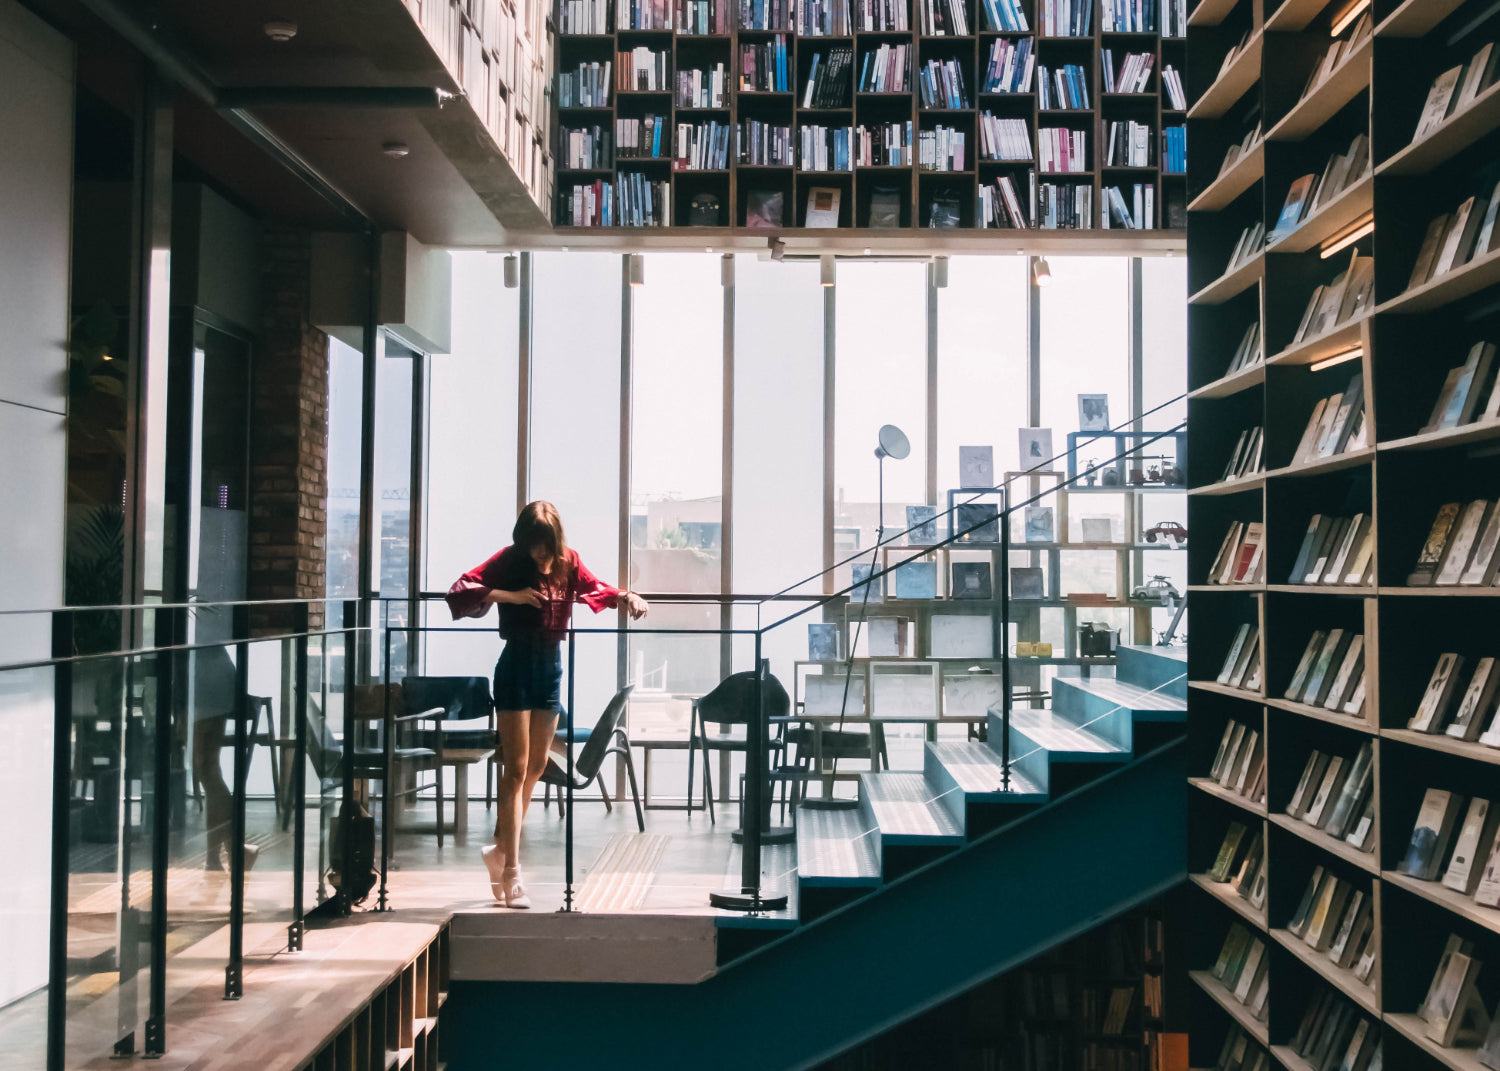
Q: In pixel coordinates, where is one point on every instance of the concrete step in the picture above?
(968, 774)
(905, 811)
(836, 848)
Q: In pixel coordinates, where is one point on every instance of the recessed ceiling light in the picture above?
(396, 149)
(280, 31)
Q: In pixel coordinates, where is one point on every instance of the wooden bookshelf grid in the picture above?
(917, 189)
(1388, 353)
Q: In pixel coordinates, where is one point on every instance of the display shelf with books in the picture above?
(1378, 301)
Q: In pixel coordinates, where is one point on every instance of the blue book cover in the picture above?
(916, 580)
(822, 642)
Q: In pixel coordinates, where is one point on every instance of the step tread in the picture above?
(1059, 735)
(905, 805)
(1126, 695)
(834, 847)
(975, 767)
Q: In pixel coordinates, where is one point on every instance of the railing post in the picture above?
(170, 630)
(568, 788)
(62, 791)
(1003, 580)
(234, 973)
(346, 802)
(296, 794)
(388, 747)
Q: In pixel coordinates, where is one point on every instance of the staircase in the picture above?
(938, 880)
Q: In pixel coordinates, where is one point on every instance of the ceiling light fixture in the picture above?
(637, 269)
(396, 150)
(280, 30)
(1337, 358)
(778, 249)
(1041, 272)
(940, 272)
(826, 269)
(1348, 238)
(512, 271)
(1351, 13)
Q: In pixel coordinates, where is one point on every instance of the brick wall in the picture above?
(289, 437)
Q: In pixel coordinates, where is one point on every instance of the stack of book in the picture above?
(1241, 558)
(1249, 352)
(1064, 206)
(1458, 402)
(943, 18)
(587, 148)
(1066, 87)
(824, 148)
(764, 144)
(703, 17)
(763, 67)
(703, 89)
(1331, 672)
(1242, 663)
(642, 70)
(1337, 424)
(1334, 1034)
(1460, 548)
(1127, 144)
(883, 145)
(1002, 205)
(1003, 139)
(584, 16)
(1243, 968)
(1171, 79)
(636, 138)
(827, 83)
(643, 14)
(1131, 208)
(823, 18)
(766, 15)
(1464, 712)
(880, 15)
(1010, 66)
(702, 146)
(586, 87)
(1455, 89)
(1455, 238)
(1248, 458)
(1338, 50)
(1468, 863)
(941, 149)
(1004, 16)
(1310, 192)
(1066, 18)
(1062, 150)
(1240, 766)
(1350, 295)
(1132, 75)
(942, 85)
(1335, 550)
(884, 70)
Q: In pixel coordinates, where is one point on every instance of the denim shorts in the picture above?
(528, 675)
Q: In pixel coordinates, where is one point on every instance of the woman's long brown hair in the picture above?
(540, 526)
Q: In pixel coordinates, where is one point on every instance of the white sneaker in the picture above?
(515, 892)
(494, 862)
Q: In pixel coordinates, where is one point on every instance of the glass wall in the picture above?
(345, 390)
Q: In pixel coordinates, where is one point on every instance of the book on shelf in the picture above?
(1477, 707)
(1426, 851)
(827, 84)
(1127, 143)
(763, 66)
(886, 144)
(1010, 67)
(1063, 205)
(1339, 49)
(1354, 931)
(587, 148)
(1174, 149)
(1252, 239)
(1458, 400)
(700, 17)
(1297, 924)
(1229, 853)
(1240, 559)
(941, 149)
(1442, 688)
(1130, 16)
(1351, 672)
(1129, 208)
(1235, 947)
(1433, 548)
(885, 70)
(583, 17)
(943, 18)
(1455, 89)
(1342, 171)
(1235, 662)
(1066, 18)
(1006, 16)
(1334, 423)
(766, 15)
(586, 86)
(1334, 550)
(1233, 53)
(643, 70)
(1171, 79)
(822, 18)
(881, 16)
(1244, 872)
(764, 144)
(1130, 74)
(1249, 352)
(702, 146)
(1313, 772)
(1243, 147)
(942, 86)
(1234, 732)
(1354, 788)
(643, 15)
(1062, 88)
(1001, 204)
(1061, 150)
(698, 88)
(1004, 139)
(1327, 912)
(1248, 455)
(1475, 836)
(825, 148)
(1452, 239)
(1349, 295)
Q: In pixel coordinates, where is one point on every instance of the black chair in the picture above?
(730, 706)
(607, 737)
(445, 700)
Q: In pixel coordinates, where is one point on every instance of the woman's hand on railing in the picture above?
(635, 606)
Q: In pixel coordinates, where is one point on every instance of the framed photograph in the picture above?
(1098, 529)
(976, 466)
(986, 517)
(1027, 582)
(970, 695)
(906, 691)
(1036, 446)
(921, 526)
(865, 589)
(916, 580)
(823, 206)
(970, 580)
(1039, 525)
(763, 208)
(962, 636)
(822, 642)
(1093, 412)
(823, 695)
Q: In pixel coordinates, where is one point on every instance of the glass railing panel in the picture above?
(267, 738)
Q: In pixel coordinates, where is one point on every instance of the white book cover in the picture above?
(1487, 892)
(1473, 837)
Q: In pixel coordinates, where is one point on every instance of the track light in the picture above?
(1041, 273)
(1351, 13)
(826, 268)
(637, 269)
(726, 270)
(778, 249)
(940, 272)
(512, 271)
(1337, 358)
(1348, 238)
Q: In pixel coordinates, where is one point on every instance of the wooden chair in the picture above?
(444, 700)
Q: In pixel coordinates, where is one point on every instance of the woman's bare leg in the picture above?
(514, 728)
(208, 742)
(543, 727)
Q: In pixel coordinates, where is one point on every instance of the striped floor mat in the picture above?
(623, 873)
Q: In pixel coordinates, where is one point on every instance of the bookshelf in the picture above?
(1258, 133)
(885, 195)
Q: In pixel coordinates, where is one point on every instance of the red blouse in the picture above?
(513, 569)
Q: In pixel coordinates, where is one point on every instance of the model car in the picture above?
(1167, 530)
(1157, 589)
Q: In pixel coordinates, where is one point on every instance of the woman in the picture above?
(535, 581)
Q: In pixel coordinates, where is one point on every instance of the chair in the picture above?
(607, 737)
(368, 703)
(450, 699)
(731, 703)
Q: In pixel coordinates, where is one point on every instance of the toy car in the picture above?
(1167, 530)
(1157, 589)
